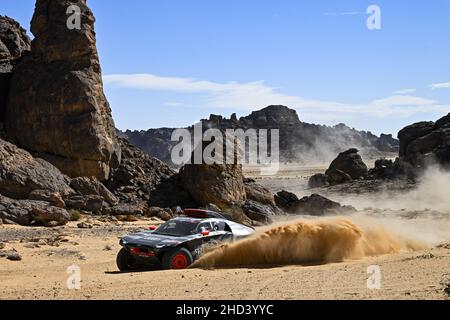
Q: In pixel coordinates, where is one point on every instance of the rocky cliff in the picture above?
(14, 43)
(426, 142)
(300, 142)
(57, 108)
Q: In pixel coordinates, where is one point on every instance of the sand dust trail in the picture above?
(309, 242)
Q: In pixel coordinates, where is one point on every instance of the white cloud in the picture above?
(405, 91)
(174, 104)
(444, 85)
(254, 95)
(347, 13)
(350, 13)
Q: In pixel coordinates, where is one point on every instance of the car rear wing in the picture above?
(202, 214)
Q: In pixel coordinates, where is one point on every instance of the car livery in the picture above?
(177, 243)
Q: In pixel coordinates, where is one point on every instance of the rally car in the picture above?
(177, 243)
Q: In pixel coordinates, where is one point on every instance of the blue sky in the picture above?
(173, 62)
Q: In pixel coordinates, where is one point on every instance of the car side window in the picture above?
(227, 228)
(218, 225)
(205, 226)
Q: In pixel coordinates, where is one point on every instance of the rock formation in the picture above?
(28, 212)
(14, 43)
(350, 163)
(20, 174)
(314, 205)
(426, 142)
(221, 184)
(300, 142)
(346, 167)
(57, 108)
(136, 178)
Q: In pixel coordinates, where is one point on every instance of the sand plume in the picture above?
(308, 242)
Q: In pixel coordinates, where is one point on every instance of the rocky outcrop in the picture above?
(57, 95)
(14, 43)
(258, 193)
(386, 169)
(314, 205)
(426, 142)
(221, 184)
(92, 187)
(300, 142)
(350, 163)
(319, 180)
(28, 212)
(21, 174)
(346, 167)
(138, 176)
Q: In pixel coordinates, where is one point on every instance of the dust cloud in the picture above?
(305, 242)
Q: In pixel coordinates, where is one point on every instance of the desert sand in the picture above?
(421, 272)
(42, 274)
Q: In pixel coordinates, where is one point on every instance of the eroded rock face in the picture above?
(92, 187)
(20, 174)
(14, 42)
(300, 142)
(221, 184)
(425, 142)
(349, 163)
(138, 176)
(56, 106)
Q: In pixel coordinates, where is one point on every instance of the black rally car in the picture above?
(177, 243)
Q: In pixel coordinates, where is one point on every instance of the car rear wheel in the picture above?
(177, 259)
(126, 261)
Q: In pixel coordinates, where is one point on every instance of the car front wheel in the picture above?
(177, 259)
(126, 262)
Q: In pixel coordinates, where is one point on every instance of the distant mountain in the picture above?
(300, 142)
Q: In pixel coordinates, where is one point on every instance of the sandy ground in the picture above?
(48, 253)
(42, 273)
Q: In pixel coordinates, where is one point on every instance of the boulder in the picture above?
(350, 163)
(89, 203)
(412, 132)
(284, 198)
(259, 212)
(221, 184)
(50, 216)
(316, 205)
(337, 176)
(388, 169)
(426, 143)
(54, 198)
(20, 174)
(57, 95)
(92, 187)
(125, 209)
(27, 212)
(319, 180)
(163, 214)
(258, 193)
